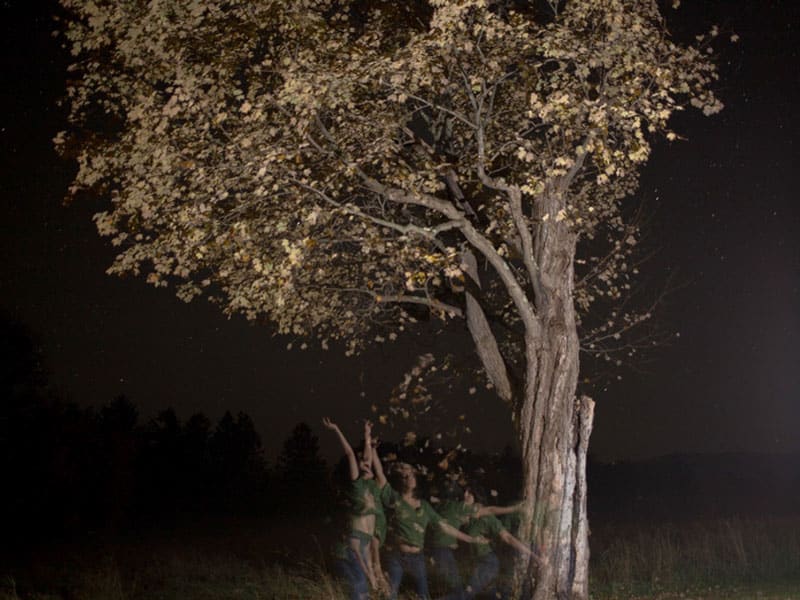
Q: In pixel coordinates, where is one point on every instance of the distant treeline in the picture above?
(68, 469)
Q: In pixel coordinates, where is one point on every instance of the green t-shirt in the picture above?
(380, 527)
(487, 526)
(363, 497)
(454, 513)
(378, 493)
(408, 524)
(366, 497)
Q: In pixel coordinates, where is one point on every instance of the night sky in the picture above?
(726, 225)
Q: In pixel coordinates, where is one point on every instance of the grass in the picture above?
(726, 558)
(717, 560)
(170, 577)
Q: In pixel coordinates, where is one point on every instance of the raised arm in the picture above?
(348, 449)
(512, 541)
(460, 535)
(368, 449)
(498, 510)
(377, 466)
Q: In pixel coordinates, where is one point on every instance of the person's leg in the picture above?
(484, 574)
(395, 569)
(444, 561)
(366, 555)
(415, 564)
(377, 568)
(349, 570)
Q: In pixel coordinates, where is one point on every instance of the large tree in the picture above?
(342, 166)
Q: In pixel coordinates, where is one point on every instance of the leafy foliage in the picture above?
(327, 164)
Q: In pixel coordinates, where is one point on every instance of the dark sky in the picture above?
(726, 222)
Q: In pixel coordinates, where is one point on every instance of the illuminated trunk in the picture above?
(554, 427)
(554, 432)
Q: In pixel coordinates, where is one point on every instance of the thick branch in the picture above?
(482, 335)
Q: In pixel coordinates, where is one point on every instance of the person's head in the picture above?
(452, 492)
(406, 478)
(468, 497)
(365, 469)
(473, 494)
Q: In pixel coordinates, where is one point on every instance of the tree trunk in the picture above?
(554, 481)
(554, 428)
(553, 425)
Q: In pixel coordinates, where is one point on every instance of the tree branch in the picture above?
(432, 303)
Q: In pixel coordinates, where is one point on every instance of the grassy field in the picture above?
(717, 560)
(730, 558)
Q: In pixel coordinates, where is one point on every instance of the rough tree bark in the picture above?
(553, 426)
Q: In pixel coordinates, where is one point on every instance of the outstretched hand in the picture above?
(329, 424)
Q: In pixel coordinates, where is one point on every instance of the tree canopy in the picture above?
(325, 164)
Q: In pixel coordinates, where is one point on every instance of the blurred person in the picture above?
(408, 523)
(353, 557)
(457, 509)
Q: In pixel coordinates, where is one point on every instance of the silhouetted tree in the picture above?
(119, 445)
(237, 461)
(22, 372)
(302, 472)
(195, 460)
(161, 463)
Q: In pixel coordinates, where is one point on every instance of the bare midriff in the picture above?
(409, 549)
(364, 524)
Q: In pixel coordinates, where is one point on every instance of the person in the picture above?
(408, 523)
(457, 509)
(354, 562)
(487, 565)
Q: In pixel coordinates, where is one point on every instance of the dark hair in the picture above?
(396, 478)
(477, 492)
(453, 491)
